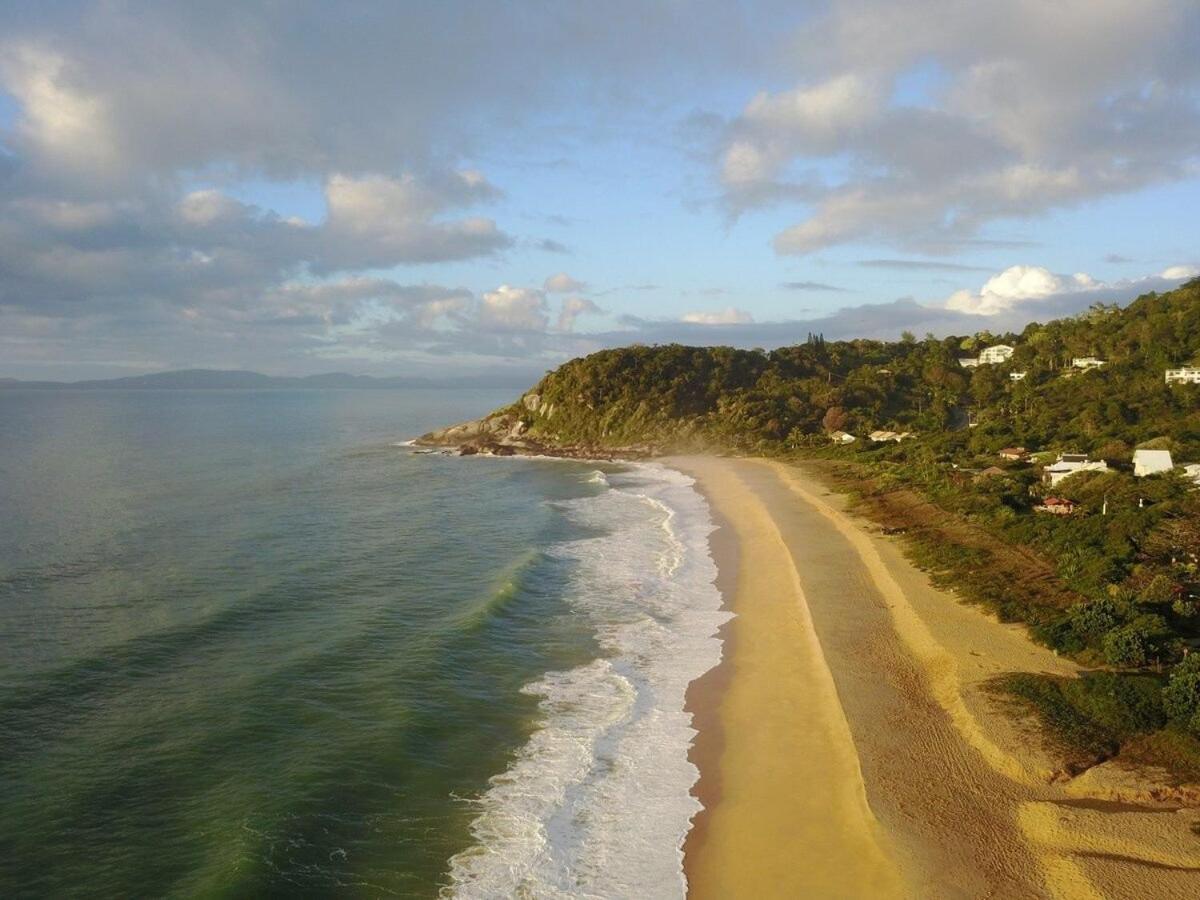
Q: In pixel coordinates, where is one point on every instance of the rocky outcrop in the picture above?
(507, 433)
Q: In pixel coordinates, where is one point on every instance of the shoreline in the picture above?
(962, 795)
(704, 694)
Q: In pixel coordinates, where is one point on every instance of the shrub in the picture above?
(1093, 619)
(1181, 697)
(1136, 643)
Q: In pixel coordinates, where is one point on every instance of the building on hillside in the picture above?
(1017, 376)
(998, 354)
(1192, 471)
(968, 362)
(1069, 464)
(1056, 506)
(1014, 453)
(1151, 462)
(1087, 362)
(897, 436)
(1185, 375)
(841, 437)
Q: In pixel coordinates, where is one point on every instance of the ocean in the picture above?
(251, 645)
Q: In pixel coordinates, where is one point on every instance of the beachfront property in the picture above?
(1151, 462)
(883, 436)
(842, 437)
(1017, 376)
(1056, 506)
(968, 362)
(1184, 375)
(998, 354)
(1069, 464)
(1087, 362)
(1016, 454)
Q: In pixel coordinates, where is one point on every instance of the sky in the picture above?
(465, 188)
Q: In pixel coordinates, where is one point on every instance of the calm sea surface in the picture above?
(250, 646)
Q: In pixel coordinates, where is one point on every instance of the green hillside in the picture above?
(788, 398)
(1116, 584)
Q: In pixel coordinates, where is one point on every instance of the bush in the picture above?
(1093, 619)
(1181, 697)
(1136, 643)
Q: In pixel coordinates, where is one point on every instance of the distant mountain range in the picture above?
(223, 379)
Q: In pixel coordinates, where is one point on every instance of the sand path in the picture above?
(856, 754)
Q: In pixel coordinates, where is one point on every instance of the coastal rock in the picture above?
(508, 434)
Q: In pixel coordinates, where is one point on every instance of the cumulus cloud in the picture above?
(1020, 286)
(574, 307)
(730, 315)
(1172, 273)
(1018, 108)
(379, 221)
(514, 309)
(562, 283)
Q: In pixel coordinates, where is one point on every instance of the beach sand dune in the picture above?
(847, 746)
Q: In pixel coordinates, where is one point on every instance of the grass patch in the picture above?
(1095, 715)
(1172, 749)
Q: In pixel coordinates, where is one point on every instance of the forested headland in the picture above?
(1115, 584)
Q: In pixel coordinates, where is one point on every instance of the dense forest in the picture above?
(1123, 591)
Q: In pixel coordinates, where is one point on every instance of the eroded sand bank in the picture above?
(855, 753)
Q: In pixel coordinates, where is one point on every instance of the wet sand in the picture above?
(847, 748)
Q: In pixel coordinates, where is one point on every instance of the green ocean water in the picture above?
(249, 647)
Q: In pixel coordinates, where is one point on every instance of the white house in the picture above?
(1186, 375)
(1192, 471)
(998, 354)
(1151, 462)
(1017, 376)
(880, 436)
(1087, 362)
(841, 437)
(968, 362)
(1069, 464)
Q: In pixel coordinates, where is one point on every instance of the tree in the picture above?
(834, 419)
(1181, 696)
(1136, 643)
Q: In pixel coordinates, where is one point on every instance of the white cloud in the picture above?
(1019, 107)
(205, 207)
(1180, 272)
(513, 309)
(729, 316)
(377, 221)
(1017, 285)
(562, 283)
(572, 308)
(60, 120)
(805, 120)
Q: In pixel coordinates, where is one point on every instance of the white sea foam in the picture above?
(598, 802)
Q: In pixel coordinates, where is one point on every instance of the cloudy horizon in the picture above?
(408, 189)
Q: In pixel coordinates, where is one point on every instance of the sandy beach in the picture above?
(848, 748)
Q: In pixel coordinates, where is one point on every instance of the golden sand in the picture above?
(856, 753)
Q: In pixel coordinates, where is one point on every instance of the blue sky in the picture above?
(300, 190)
